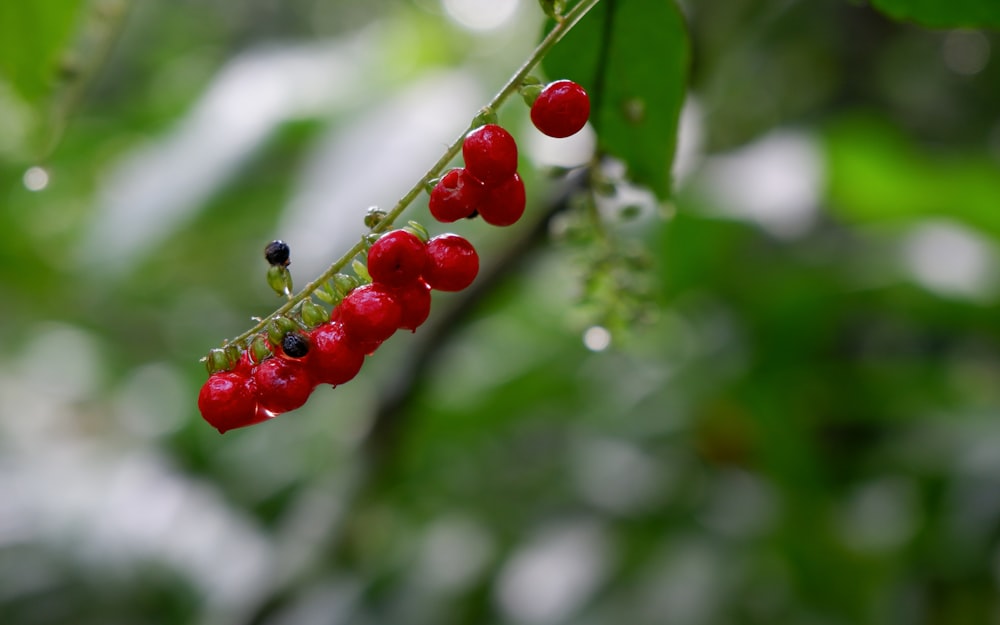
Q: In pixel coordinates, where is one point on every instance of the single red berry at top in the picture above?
(370, 313)
(415, 300)
(490, 154)
(504, 204)
(333, 359)
(456, 196)
(227, 400)
(453, 265)
(282, 384)
(396, 258)
(561, 109)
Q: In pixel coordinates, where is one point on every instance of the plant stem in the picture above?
(569, 20)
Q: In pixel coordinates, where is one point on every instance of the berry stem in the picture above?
(569, 20)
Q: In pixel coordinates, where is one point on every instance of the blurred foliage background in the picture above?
(802, 426)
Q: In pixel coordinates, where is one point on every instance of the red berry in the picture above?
(415, 300)
(365, 347)
(244, 366)
(263, 414)
(370, 314)
(455, 196)
(490, 154)
(398, 257)
(561, 109)
(453, 265)
(333, 359)
(282, 384)
(504, 204)
(227, 400)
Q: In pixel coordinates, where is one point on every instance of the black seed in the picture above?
(295, 345)
(277, 253)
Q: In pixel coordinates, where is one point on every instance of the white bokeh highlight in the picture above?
(775, 182)
(951, 260)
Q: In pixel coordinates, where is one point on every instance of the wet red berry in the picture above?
(244, 366)
(490, 154)
(333, 359)
(370, 314)
(415, 300)
(561, 109)
(227, 400)
(396, 258)
(282, 384)
(453, 264)
(456, 196)
(504, 204)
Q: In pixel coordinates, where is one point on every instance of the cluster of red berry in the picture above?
(489, 185)
(279, 369)
(279, 372)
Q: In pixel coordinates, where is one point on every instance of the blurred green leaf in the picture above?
(938, 14)
(32, 37)
(632, 57)
(876, 174)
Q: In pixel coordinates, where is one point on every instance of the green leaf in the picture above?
(632, 58)
(876, 174)
(943, 14)
(33, 36)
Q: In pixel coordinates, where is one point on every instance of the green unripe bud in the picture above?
(233, 353)
(278, 328)
(328, 293)
(362, 271)
(486, 115)
(217, 360)
(313, 314)
(553, 8)
(259, 349)
(344, 283)
(374, 216)
(417, 229)
(280, 280)
(530, 93)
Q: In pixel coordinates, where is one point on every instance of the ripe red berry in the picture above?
(370, 314)
(333, 358)
(561, 109)
(227, 400)
(282, 384)
(490, 154)
(504, 204)
(453, 264)
(415, 300)
(455, 196)
(244, 366)
(398, 257)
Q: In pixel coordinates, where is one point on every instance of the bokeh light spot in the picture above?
(481, 14)
(35, 179)
(965, 52)
(596, 338)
